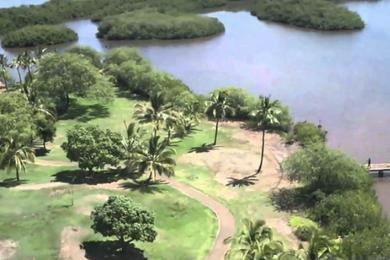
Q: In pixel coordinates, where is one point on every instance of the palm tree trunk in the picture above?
(20, 76)
(44, 145)
(216, 132)
(17, 174)
(262, 152)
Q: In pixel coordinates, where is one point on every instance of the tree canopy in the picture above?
(92, 147)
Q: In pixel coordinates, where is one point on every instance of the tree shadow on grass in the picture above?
(103, 250)
(85, 113)
(204, 148)
(144, 187)
(80, 177)
(11, 182)
(241, 182)
(290, 200)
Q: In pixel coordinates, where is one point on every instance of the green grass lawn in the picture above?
(35, 220)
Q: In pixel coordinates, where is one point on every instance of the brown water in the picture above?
(341, 79)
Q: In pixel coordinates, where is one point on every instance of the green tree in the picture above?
(15, 156)
(155, 112)
(93, 148)
(218, 107)
(88, 53)
(322, 247)
(266, 117)
(122, 218)
(255, 241)
(321, 169)
(306, 133)
(63, 75)
(155, 157)
(4, 66)
(46, 129)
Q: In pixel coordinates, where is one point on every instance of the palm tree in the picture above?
(255, 241)
(155, 157)
(133, 139)
(13, 155)
(155, 112)
(4, 65)
(217, 106)
(266, 117)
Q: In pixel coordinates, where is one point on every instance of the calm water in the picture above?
(340, 79)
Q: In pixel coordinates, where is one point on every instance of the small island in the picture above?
(158, 26)
(311, 14)
(37, 35)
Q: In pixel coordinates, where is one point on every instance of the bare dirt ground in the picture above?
(281, 225)
(7, 249)
(40, 186)
(70, 243)
(229, 162)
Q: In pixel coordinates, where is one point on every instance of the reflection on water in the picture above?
(341, 79)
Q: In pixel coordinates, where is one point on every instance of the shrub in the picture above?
(314, 14)
(326, 170)
(152, 25)
(37, 35)
(304, 228)
(87, 53)
(349, 212)
(306, 133)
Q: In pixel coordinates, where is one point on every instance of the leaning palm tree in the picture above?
(13, 155)
(217, 106)
(155, 112)
(155, 157)
(255, 241)
(266, 117)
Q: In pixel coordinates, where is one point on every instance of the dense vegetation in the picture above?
(57, 11)
(313, 14)
(38, 35)
(154, 25)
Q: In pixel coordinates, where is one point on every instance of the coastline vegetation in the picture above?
(311, 14)
(149, 25)
(39, 35)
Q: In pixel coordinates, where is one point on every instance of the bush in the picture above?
(304, 228)
(153, 25)
(325, 170)
(306, 133)
(88, 53)
(314, 14)
(349, 212)
(304, 233)
(38, 35)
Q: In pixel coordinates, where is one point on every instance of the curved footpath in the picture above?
(226, 222)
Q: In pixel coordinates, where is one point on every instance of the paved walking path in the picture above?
(226, 222)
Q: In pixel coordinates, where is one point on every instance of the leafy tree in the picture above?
(266, 116)
(349, 212)
(306, 133)
(15, 155)
(93, 148)
(218, 107)
(122, 218)
(16, 118)
(118, 56)
(62, 75)
(4, 65)
(155, 112)
(46, 129)
(88, 53)
(155, 157)
(326, 170)
(255, 241)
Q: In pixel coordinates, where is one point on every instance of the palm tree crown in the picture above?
(155, 157)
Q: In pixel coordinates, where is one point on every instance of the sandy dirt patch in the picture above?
(84, 206)
(40, 186)
(228, 163)
(7, 249)
(71, 238)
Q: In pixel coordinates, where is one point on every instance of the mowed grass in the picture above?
(35, 219)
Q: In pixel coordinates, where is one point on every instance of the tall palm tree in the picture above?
(4, 65)
(155, 157)
(14, 155)
(155, 112)
(133, 138)
(217, 106)
(266, 116)
(255, 241)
